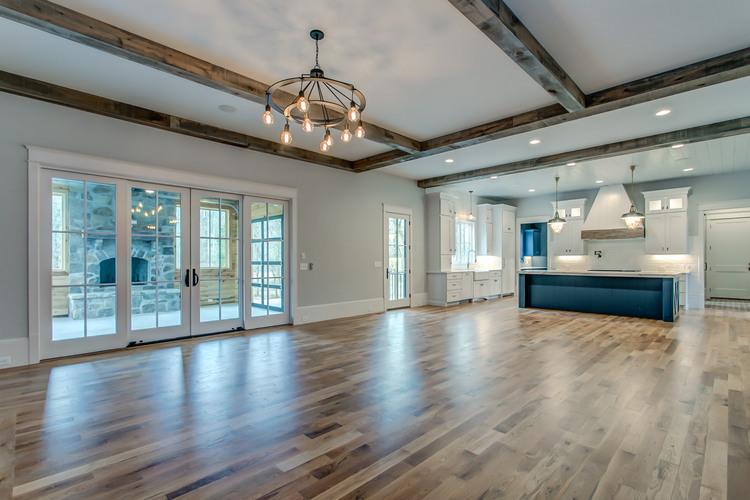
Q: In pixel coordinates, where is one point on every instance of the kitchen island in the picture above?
(623, 293)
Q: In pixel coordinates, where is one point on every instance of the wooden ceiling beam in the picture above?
(695, 134)
(505, 30)
(72, 25)
(47, 92)
(712, 71)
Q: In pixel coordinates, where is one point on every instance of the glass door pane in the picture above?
(217, 262)
(397, 251)
(82, 265)
(158, 306)
(268, 302)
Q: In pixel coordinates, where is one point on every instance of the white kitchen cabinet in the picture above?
(666, 221)
(449, 288)
(484, 229)
(496, 285)
(568, 241)
(666, 233)
(504, 245)
(441, 231)
(481, 289)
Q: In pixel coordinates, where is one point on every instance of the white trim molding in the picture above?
(15, 352)
(324, 312)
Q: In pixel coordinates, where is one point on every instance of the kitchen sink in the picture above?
(481, 275)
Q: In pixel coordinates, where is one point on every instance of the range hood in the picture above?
(604, 221)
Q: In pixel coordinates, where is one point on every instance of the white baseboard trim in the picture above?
(15, 349)
(324, 312)
(418, 299)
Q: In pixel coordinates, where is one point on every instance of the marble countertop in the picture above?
(610, 274)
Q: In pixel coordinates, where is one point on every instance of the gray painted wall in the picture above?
(339, 214)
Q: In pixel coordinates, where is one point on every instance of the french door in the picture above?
(398, 260)
(131, 262)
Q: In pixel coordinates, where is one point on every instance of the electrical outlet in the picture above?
(305, 319)
(369, 309)
(4, 361)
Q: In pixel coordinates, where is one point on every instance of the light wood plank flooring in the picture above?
(479, 401)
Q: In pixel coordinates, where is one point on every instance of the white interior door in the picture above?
(158, 263)
(728, 258)
(83, 237)
(397, 232)
(267, 250)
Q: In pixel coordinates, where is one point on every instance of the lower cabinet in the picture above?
(451, 288)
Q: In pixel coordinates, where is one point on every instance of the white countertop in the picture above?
(463, 271)
(619, 274)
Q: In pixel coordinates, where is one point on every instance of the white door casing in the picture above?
(397, 257)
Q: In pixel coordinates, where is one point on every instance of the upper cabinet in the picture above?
(666, 221)
(666, 200)
(441, 231)
(568, 241)
(484, 230)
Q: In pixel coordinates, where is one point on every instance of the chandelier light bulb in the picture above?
(360, 132)
(328, 139)
(307, 125)
(286, 136)
(324, 146)
(346, 136)
(353, 113)
(267, 116)
(302, 103)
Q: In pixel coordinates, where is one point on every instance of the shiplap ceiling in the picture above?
(426, 71)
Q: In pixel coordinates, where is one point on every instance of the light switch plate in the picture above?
(378, 263)
(303, 266)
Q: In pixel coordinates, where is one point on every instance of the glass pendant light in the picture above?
(633, 217)
(267, 116)
(360, 132)
(307, 125)
(353, 113)
(346, 136)
(286, 136)
(556, 223)
(302, 103)
(471, 205)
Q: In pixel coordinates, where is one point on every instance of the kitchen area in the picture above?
(594, 264)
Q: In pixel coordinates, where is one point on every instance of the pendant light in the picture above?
(471, 202)
(633, 217)
(556, 223)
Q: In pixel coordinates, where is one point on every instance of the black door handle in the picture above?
(187, 278)
(196, 279)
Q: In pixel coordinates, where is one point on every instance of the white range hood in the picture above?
(604, 221)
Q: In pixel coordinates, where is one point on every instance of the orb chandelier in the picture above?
(556, 223)
(316, 101)
(633, 217)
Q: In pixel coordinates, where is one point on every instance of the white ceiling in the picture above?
(426, 71)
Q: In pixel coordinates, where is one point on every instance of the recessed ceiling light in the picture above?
(599, 181)
(532, 190)
(570, 164)
(663, 112)
(689, 169)
(675, 146)
(493, 177)
(449, 160)
(535, 141)
(227, 108)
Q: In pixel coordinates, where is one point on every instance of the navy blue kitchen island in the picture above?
(636, 294)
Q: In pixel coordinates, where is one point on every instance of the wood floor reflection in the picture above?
(475, 401)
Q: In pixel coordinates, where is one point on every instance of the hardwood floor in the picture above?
(476, 401)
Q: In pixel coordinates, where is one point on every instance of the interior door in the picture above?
(728, 258)
(159, 262)
(84, 234)
(398, 264)
(216, 262)
(267, 297)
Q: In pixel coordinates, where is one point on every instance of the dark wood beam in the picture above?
(47, 92)
(712, 71)
(505, 30)
(695, 134)
(86, 30)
